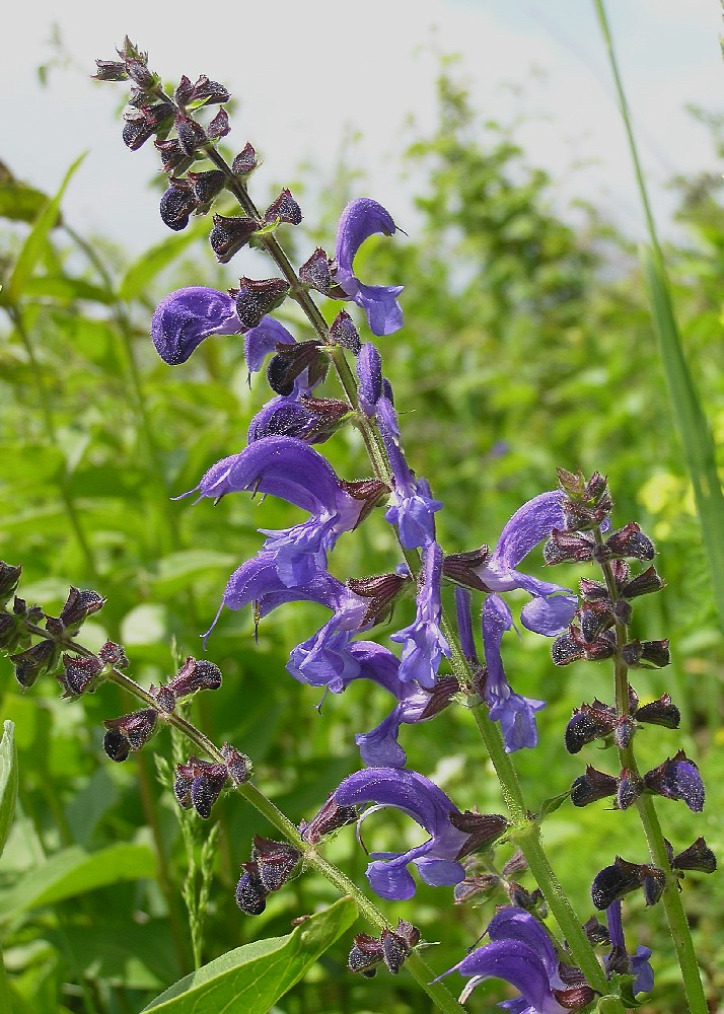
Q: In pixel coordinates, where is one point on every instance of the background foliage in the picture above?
(527, 345)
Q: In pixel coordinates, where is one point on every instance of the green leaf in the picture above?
(180, 570)
(253, 977)
(20, 203)
(62, 287)
(153, 261)
(696, 438)
(8, 781)
(33, 247)
(550, 805)
(75, 871)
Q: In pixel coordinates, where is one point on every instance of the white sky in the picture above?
(307, 72)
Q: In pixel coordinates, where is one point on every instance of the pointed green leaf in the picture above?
(550, 805)
(33, 247)
(253, 977)
(19, 202)
(75, 871)
(694, 431)
(8, 781)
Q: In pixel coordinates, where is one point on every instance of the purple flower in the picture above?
(413, 508)
(619, 960)
(369, 372)
(376, 663)
(515, 713)
(424, 642)
(520, 951)
(361, 219)
(428, 805)
(185, 317)
(551, 610)
(289, 468)
(324, 659)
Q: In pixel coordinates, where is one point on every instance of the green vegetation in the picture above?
(527, 345)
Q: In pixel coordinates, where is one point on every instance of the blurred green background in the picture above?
(527, 345)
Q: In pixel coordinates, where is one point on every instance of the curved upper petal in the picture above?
(185, 317)
(280, 466)
(259, 341)
(361, 219)
(519, 965)
(511, 923)
(530, 524)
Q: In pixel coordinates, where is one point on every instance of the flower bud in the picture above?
(318, 273)
(245, 162)
(643, 584)
(229, 235)
(130, 732)
(396, 946)
(256, 298)
(613, 882)
(9, 577)
(697, 857)
(207, 185)
(369, 372)
(482, 830)
(343, 332)
(110, 70)
(592, 786)
(33, 662)
(365, 955)
(238, 765)
(677, 778)
(177, 204)
(199, 784)
(630, 787)
(113, 654)
(660, 712)
(330, 818)
(191, 135)
(250, 892)
(193, 676)
(78, 674)
(284, 209)
(292, 360)
(276, 861)
(630, 542)
(80, 604)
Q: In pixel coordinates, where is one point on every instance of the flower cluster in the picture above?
(431, 660)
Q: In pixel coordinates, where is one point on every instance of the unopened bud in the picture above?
(177, 204)
(343, 332)
(245, 162)
(258, 297)
(284, 209)
(229, 235)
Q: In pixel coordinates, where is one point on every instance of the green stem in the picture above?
(419, 969)
(673, 905)
(528, 834)
(71, 510)
(6, 1002)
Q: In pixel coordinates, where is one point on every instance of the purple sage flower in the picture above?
(185, 317)
(289, 468)
(551, 610)
(428, 806)
(413, 508)
(521, 952)
(324, 659)
(379, 747)
(369, 372)
(619, 960)
(424, 643)
(515, 713)
(361, 219)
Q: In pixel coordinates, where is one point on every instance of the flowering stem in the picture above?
(527, 837)
(417, 966)
(16, 317)
(673, 906)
